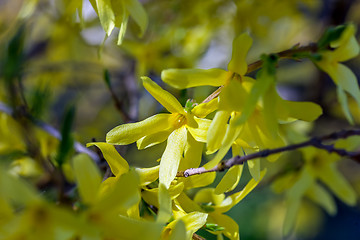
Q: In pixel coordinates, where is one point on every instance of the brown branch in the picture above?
(317, 142)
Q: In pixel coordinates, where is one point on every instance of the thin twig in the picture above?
(315, 142)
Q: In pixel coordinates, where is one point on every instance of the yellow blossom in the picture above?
(179, 127)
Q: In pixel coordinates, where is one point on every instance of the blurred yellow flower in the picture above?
(345, 48)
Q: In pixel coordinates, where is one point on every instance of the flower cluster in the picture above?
(247, 118)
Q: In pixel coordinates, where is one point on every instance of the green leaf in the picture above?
(66, 145)
(330, 35)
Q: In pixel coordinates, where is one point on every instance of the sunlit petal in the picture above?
(148, 175)
(153, 139)
(162, 96)
(233, 199)
(172, 155)
(128, 133)
(117, 163)
(204, 109)
(200, 133)
(217, 130)
(231, 227)
(230, 179)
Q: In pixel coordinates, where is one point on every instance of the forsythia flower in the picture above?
(345, 48)
(319, 166)
(253, 124)
(180, 127)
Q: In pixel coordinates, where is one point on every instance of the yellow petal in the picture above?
(241, 46)
(164, 212)
(347, 80)
(233, 199)
(148, 175)
(162, 96)
(347, 46)
(200, 133)
(192, 153)
(151, 196)
(292, 208)
(254, 168)
(231, 227)
(230, 179)
(138, 13)
(209, 196)
(347, 51)
(342, 97)
(200, 180)
(117, 163)
(153, 139)
(171, 157)
(269, 110)
(233, 96)
(88, 178)
(187, 78)
(320, 196)
(193, 222)
(232, 132)
(123, 27)
(289, 109)
(204, 109)
(119, 192)
(263, 82)
(303, 183)
(179, 231)
(330, 175)
(217, 130)
(187, 204)
(128, 133)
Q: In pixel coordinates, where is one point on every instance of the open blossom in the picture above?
(248, 110)
(182, 129)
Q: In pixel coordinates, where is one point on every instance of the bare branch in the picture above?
(317, 142)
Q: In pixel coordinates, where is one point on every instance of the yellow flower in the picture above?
(180, 127)
(345, 48)
(115, 201)
(320, 166)
(255, 122)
